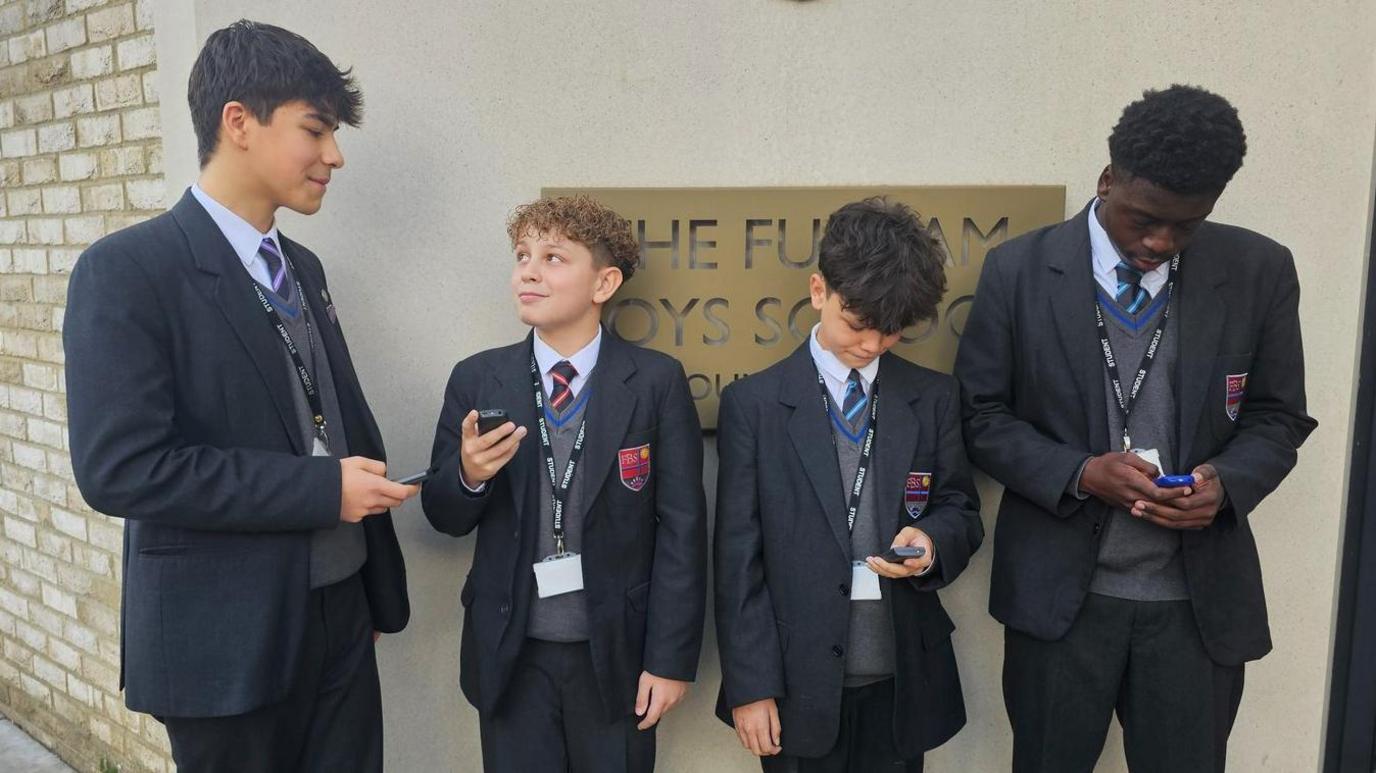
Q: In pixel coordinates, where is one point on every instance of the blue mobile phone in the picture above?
(1175, 481)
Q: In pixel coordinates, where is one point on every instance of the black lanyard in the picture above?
(1126, 402)
(559, 486)
(866, 450)
(307, 383)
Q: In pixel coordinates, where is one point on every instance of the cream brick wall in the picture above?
(80, 156)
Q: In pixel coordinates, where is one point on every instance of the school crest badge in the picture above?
(635, 466)
(916, 492)
(1237, 390)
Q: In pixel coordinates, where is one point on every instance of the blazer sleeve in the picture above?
(952, 519)
(752, 666)
(678, 580)
(1273, 423)
(128, 455)
(1009, 448)
(448, 504)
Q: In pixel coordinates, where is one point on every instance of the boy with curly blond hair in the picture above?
(583, 610)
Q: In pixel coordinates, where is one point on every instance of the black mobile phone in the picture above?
(414, 478)
(491, 419)
(900, 553)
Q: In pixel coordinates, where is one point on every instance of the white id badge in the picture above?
(558, 575)
(1150, 455)
(864, 583)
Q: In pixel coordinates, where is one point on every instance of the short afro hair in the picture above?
(887, 267)
(264, 67)
(1184, 139)
(584, 220)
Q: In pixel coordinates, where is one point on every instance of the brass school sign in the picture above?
(722, 283)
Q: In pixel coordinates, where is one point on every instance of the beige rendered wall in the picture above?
(473, 106)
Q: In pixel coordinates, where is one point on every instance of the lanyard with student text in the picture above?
(866, 449)
(1127, 401)
(307, 383)
(558, 485)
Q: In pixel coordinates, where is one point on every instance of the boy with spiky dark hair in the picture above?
(583, 611)
(833, 658)
(1133, 341)
(214, 406)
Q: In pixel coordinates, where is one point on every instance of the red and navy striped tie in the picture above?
(562, 373)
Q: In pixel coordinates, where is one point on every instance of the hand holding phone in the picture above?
(484, 449)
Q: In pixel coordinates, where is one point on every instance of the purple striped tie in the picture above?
(277, 268)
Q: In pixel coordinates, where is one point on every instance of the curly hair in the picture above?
(1184, 139)
(889, 269)
(584, 220)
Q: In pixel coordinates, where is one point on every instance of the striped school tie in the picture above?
(277, 268)
(853, 406)
(1131, 294)
(562, 373)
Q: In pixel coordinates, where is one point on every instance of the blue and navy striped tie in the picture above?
(1131, 294)
(277, 268)
(853, 406)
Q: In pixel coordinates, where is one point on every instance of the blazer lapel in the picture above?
(895, 440)
(810, 430)
(360, 424)
(609, 411)
(1203, 310)
(226, 281)
(1069, 305)
(511, 380)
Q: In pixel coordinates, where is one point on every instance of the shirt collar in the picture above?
(1107, 256)
(583, 361)
(829, 365)
(241, 235)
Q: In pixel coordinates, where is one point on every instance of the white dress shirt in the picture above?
(835, 373)
(242, 236)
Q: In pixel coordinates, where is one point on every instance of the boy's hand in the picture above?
(482, 456)
(364, 489)
(1123, 480)
(910, 536)
(757, 725)
(1196, 509)
(656, 696)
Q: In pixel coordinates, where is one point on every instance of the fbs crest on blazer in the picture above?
(1236, 391)
(916, 491)
(635, 466)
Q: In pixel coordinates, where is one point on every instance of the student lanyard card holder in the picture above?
(864, 583)
(561, 572)
(1126, 401)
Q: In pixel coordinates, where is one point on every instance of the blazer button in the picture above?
(843, 590)
(516, 535)
(837, 651)
(504, 609)
(1097, 526)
